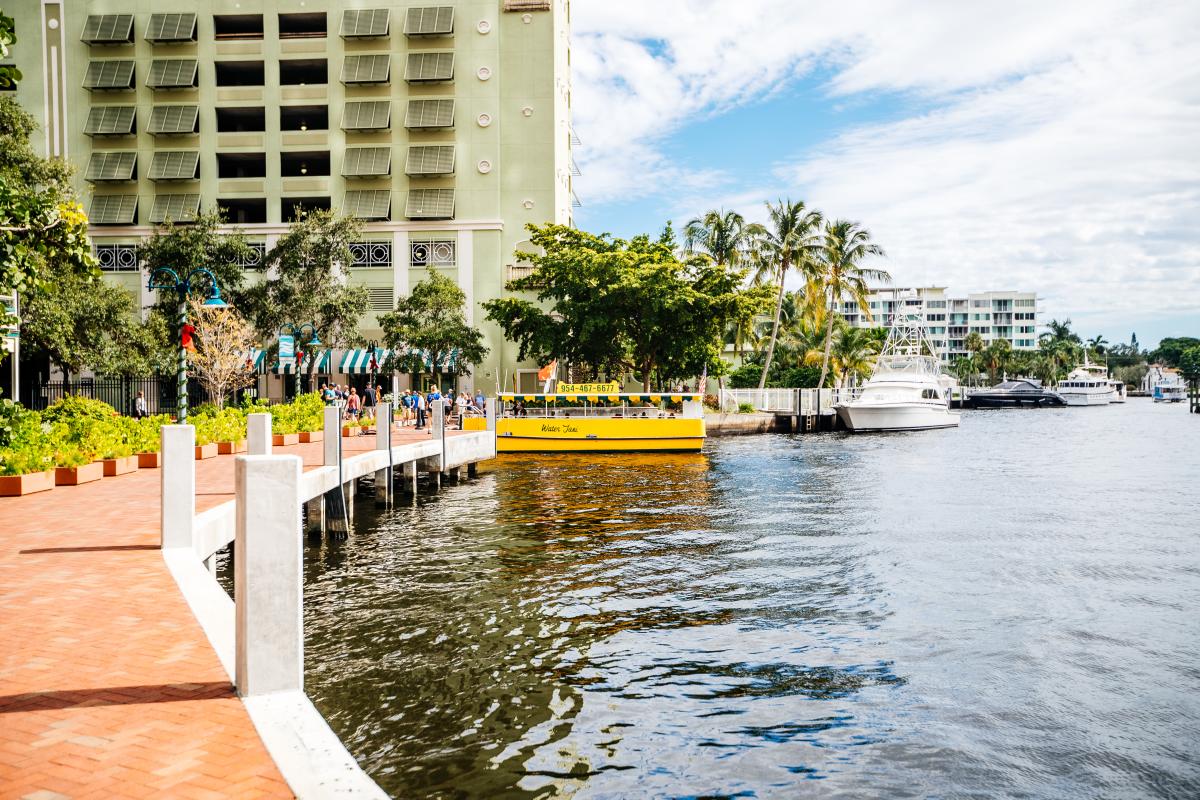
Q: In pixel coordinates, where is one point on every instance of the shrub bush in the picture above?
(745, 408)
(146, 436)
(24, 445)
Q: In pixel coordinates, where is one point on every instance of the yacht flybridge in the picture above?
(907, 390)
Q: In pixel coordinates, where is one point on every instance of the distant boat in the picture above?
(1088, 385)
(907, 391)
(1018, 392)
(1165, 385)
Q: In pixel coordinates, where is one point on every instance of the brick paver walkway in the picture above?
(108, 686)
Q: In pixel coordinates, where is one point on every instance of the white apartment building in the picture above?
(993, 315)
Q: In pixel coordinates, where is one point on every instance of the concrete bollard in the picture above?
(383, 441)
(332, 427)
(268, 576)
(178, 484)
(258, 434)
(493, 411)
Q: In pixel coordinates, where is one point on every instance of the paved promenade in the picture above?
(108, 686)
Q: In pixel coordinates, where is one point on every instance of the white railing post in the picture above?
(178, 484)
(438, 418)
(332, 427)
(493, 406)
(383, 441)
(268, 576)
(258, 434)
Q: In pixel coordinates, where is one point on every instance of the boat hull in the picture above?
(1008, 401)
(863, 418)
(1089, 399)
(592, 435)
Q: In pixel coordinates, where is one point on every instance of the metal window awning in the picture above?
(367, 69)
(113, 209)
(171, 28)
(172, 73)
(368, 203)
(430, 204)
(426, 114)
(365, 23)
(358, 362)
(108, 29)
(118, 166)
(288, 366)
(429, 67)
(113, 74)
(430, 160)
(175, 165)
(362, 162)
(110, 121)
(367, 115)
(175, 207)
(429, 21)
(165, 120)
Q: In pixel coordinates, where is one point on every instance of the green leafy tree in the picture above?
(853, 354)
(197, 245)
(1170, 350)
(1189, 363)
(10, 74)
(43, 229)
(431, 324)
(842, 275)
(310, 282)
(974, 342)
(791, 240)
(622, 306)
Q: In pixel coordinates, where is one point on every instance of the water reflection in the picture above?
(891, 616)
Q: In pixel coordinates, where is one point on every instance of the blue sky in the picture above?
(986, 146)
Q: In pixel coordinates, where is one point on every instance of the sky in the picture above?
(1035, 146)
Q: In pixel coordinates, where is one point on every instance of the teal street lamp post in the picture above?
(164, 279)
(297, 332)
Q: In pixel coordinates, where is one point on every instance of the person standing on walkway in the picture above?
(369, 401)
(353, 405)
(419, 404)
(139, 406)
(479, 399)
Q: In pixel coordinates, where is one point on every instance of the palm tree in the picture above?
(853, 354)
(973, 342)
(841, 275)
(1060, 332)
(1097, 345)
(722, 235)
(793, 239)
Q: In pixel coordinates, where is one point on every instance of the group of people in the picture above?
(353, 404)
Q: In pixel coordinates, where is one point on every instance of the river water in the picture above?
(1010, 609)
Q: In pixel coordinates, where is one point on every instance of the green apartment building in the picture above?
(445, 128)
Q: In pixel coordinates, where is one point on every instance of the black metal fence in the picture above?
(160, 393)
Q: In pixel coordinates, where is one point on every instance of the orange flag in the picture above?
(547, 372)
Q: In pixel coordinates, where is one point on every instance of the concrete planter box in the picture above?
(17, 485)
(148, 460)
(351, 430)
(311, 436)
(73, 476)
(119, 466)
(285, 439)
(230, 448)
(204, 451)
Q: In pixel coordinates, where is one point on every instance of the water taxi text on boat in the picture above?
(599, 418)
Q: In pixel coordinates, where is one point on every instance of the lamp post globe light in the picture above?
(297, 332)
(165, 279)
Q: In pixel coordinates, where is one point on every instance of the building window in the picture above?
(434, 252)
(117, 257)
(304, 72)
(243, 211)
(108, 29)
(109, 76)
(304, 118)
(294, 206)
(240, 73)
(242, 165)
(303, 26)
(241, 120)
(381, 298)
(238, 26)
(310, 163)
(164, 28)
(369, 23)
(175, 120)
(430, 21)
(173, 73)
(371, 255)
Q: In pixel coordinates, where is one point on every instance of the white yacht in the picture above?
(1089, 385)
(907, 390)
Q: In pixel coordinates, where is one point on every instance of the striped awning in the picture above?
(358, 362)
(289, 366)
(258, 358)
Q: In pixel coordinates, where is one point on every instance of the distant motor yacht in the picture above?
(1017, 392)
(906, 391)
(1088, 385)
(1166, 385)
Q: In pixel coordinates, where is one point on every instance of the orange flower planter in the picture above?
(148, 460)
(119, 466)
(285, 439)
(351, 430)
(230, 448)
(17, 485)
(204, 451)
(311, 436)
(73, 476)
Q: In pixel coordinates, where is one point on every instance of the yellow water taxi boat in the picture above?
(597, 418)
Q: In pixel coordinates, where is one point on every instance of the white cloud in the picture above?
(1057, 148)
